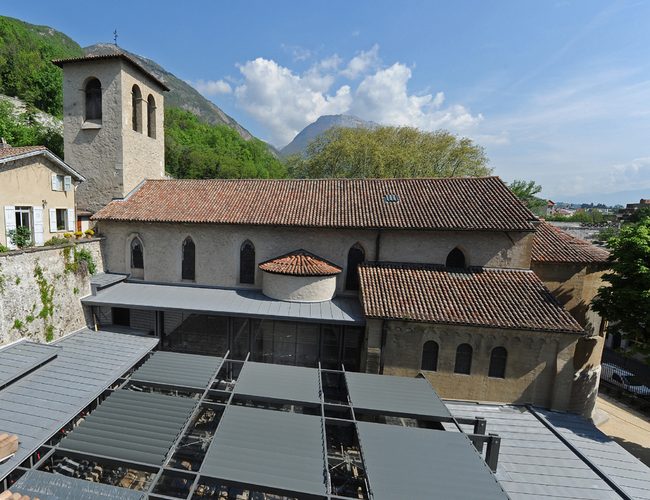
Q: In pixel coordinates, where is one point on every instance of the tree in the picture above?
(198, 150)
(526, 191)
(388, 152)
(625, 302)
(22, 129)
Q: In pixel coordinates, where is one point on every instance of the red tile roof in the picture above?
(116, 55)
(300, 263)
(483, 203)
(499, 298)
(551, 244)
(9, 151)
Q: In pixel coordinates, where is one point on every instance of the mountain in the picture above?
(324, 123)
(181, 94)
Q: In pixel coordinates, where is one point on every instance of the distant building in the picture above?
(37, 190)
(625, 213)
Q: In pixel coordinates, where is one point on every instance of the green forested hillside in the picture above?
(25, 68)
(24, 129)
(198, 150)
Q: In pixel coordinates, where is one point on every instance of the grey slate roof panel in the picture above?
(268, 449)
(178, 369)
(231, 302)
(394, 395)
(132, 426)
(409, 462)
(102, 280)
(629, 473)
(46, 486)
(287, 383)
(533, 462)
(87, 363)
(19, 359)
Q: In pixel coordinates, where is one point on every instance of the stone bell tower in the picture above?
(113, 131)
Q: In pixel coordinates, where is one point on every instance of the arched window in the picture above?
(93, 90)
(463, 359)
(137, 254)
(151, 116)
(498, 361)
(188, 268)
(136, 108)
(456, 259)
(247, 263)
(356, 256)
(430, 356)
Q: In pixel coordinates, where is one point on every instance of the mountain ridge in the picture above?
(321, 125)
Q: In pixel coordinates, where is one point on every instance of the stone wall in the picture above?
(36, 283)
(218, 246)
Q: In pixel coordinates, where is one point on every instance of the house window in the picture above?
(61, 219)
(247, 263)
(136, 108)
(93, 92)
(151, 117)
(463, 359)
(137, 254)
(188, 267)
(456, 259)
(498, 361)
(24, 217)
(430, 356)
(356, 256)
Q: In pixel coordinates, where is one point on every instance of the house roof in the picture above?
(300, 263)
(501, 298)
(18, 153)
(551, 244)
(116, 55)
(472, 203)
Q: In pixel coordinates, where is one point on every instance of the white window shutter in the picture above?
(67, 183)
(53, 228)
(38, 225)
(55, 182)
(71, 220)
(10, 223)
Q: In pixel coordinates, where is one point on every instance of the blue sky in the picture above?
(556, 91)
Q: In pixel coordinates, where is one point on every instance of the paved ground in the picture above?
(626, 426)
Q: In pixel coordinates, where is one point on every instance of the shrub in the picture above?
(3, 248)
(78, 234)
(56, 240)
(21, 236)
(68, 235)
(89, 232)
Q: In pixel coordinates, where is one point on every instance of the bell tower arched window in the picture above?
(93, 108)
(498, 361)
(136, 108)
(151, 117)
(430, 356)
(356, 256)
(247, 263)
(456, 259)
(463, 363)
(188, 271)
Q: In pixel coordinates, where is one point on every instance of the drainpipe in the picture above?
(378, 246)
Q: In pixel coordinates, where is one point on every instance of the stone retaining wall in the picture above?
(39, 294)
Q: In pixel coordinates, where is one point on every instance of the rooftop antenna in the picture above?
(115, 37)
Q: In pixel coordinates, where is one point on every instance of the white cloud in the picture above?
(212, 87)
(286, 102)
(297, 52)
(383, 97)
(362, 63)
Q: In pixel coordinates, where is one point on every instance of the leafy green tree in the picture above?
(389, 152)
(24, 130)
(625, 301)
(526, 191)
(198, 150)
